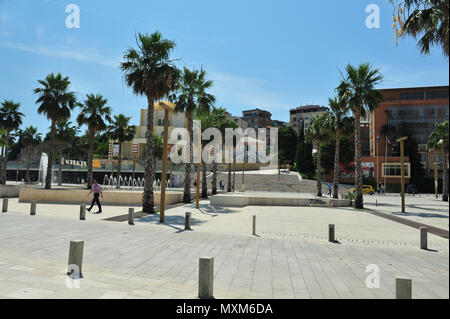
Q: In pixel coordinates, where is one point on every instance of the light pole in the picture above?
(402, 168)
(197, 188)
(436, 191)
(168, 107)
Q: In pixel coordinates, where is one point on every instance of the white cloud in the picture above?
(84, 55)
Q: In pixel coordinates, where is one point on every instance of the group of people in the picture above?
(380, 189)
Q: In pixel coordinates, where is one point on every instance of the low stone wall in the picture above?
(9, 191)
(242, 200)
(74, 196)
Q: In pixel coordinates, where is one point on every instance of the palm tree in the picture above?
(341, 124)
(94, 113)
(29, 138)
(438, 141)
(191, 98)
(318, 132)
(427, 19)
(120, 130)
(65, 133)
(10, 120)
(150, 72)
(357, 91)
(55, 101)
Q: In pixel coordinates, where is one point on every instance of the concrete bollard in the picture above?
(76, 253)
(376, 203)
(187, 221)
(82, 212)
(130, 216)
(423, 238)
(206, 277)
(254, 225)
(403, 288)
(331, 233)
(33, 208)
(5, 205)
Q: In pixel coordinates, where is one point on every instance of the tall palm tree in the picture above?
(317, 132)
(10, 120)
(55, 101)
(357, 91)
(65, 134)
(94, 114)
(341, 124)
(120, 130)
(427, 19)
(191, 97)
(150, 72)
(438, 141)
(29, 138)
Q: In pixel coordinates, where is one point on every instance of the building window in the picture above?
(394, 170)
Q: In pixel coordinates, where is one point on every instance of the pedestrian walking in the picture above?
(97, 191)
(329, 189)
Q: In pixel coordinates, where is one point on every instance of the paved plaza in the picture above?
(290, 256)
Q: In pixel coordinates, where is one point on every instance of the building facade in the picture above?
(411, 112)
(300, 117)
(257, 118)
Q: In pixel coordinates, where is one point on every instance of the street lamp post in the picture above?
(436, 190)
(162, 202)
(197, 189)
(402, 168)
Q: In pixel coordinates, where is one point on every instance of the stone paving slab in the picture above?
(123, 261)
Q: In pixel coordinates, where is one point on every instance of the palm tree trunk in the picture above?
(90, 157)
(149, 199)
(5, 160)
(187, 177)
(48, 178)
(229, 178)
(60, 164)
(445, 179)
(119, 163)
(319, 170)
(204, 182)
(358, 176)
(214, 178)
(336, 165)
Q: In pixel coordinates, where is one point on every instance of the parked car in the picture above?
(366, 189)
(412, 189)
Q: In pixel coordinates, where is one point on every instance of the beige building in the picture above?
(176, 120)
(238, 120)
(300, 117)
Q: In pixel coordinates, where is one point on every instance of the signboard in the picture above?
(96, 163)
(75, 162)
(115, 151)
(135, 149)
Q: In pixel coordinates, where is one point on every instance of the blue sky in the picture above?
(274, 55)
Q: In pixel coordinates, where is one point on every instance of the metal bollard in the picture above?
(403, 288)
(187, 221)
(130, 216)
(33, 208)
(76, 254)
(82, 212)
(331, 234)
(254, 224)
(423, 238)
(5, 205)
(206, 277)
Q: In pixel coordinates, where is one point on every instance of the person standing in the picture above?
(97, 191)
(329, 189)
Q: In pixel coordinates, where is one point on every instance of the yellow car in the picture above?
(366, 189)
